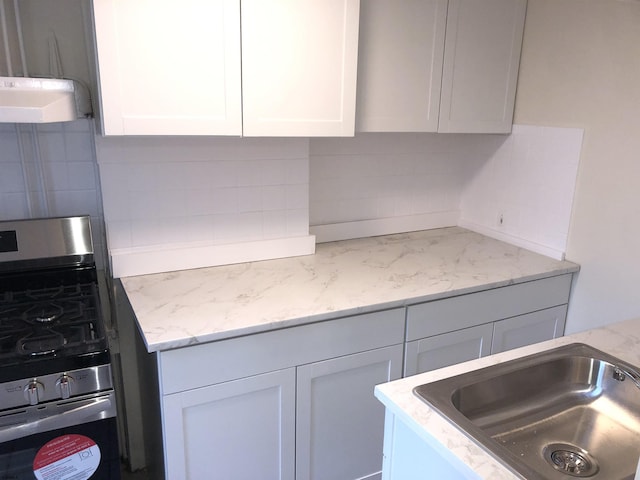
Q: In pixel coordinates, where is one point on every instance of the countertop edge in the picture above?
(166, 345)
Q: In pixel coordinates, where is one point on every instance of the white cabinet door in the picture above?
(242, 429)
(340, 424)
(299, 62)
(169, 68)
(447, 349)
(400, 65)
(415, 77)
(481, 61)
(528, 329)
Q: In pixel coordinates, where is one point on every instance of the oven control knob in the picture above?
(33, 391)
(64, 386)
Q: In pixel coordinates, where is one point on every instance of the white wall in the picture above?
(581, 68)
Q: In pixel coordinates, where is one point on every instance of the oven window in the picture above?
(80, 452)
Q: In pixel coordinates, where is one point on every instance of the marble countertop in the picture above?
(621, 340)
(186, 307)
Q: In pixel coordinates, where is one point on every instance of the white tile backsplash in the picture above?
(376, 183)
(190, 192)
(167, 192)
(11, 178)
(528, 182)
(385, 176)
(64, 182)
(297, 221)
(273, 198)
(13, 205)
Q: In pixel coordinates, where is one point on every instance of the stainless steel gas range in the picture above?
(57, 404)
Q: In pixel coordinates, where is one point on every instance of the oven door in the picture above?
(72, 439)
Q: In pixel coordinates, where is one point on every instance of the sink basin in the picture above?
(571, 412)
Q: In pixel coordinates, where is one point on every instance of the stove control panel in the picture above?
(54, 387)
(8, 241)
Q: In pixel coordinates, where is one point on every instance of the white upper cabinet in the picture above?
(400, 65)
(299, 65)
(481, 61)
(187, 68)
(438, 65)
(169, 68)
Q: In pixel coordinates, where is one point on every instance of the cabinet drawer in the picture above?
(215, 362)
(463, 311)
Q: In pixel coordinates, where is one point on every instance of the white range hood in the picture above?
(42, 100)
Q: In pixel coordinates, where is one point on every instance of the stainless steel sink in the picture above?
(572, 412)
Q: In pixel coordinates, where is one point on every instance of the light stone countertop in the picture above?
(621, 340)
(186, 307)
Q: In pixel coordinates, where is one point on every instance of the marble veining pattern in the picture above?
(621, 340)
(354, 276)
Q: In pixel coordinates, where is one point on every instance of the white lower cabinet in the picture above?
(243, 429)
(456, 329)
(407, 454)
(474, 342)
(297, 403)
(526, 329)
(447, 349)
(339, 423)
(315, 422)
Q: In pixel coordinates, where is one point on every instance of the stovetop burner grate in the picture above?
(46, 321)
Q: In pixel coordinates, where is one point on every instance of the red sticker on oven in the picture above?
(69, 457)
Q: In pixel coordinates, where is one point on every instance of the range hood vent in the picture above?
(42, 100)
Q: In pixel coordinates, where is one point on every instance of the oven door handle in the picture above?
(62, 416)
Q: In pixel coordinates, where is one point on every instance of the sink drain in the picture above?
(570, 460)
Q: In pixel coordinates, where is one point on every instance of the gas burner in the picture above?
(41, 342)
(43, 312)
